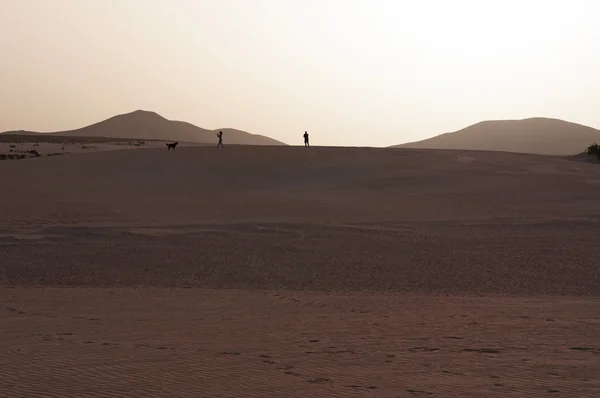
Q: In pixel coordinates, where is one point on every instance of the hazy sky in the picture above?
(350, 72)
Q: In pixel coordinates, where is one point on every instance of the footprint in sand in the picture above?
(483, 350)
(418, 392)
(320, 380)
(361, 387)
(589, 349)
(423, 349)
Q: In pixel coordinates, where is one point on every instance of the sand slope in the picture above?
(471, 261)
(324, 218)
(535, 135)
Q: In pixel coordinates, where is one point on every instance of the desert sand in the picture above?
(25, 146)
(293, 272)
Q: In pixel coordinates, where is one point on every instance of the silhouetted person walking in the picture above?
(220, 135)
(306, 139)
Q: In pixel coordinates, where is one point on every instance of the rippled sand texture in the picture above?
(206, 343)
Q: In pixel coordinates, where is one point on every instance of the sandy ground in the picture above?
(75, 342)
(309, 272)
(15, 147)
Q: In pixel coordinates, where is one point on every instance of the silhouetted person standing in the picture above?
(220, 135)
(306, 139)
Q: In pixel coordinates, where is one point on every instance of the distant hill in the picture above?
(543, 136)
(150, 125)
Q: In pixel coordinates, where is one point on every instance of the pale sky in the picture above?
(370, 72)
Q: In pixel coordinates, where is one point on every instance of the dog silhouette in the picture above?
(172, 146)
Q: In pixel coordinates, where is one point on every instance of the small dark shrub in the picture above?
(593, 149)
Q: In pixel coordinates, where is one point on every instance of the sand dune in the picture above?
(354, 218)
(543, 136)
(334, 272)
